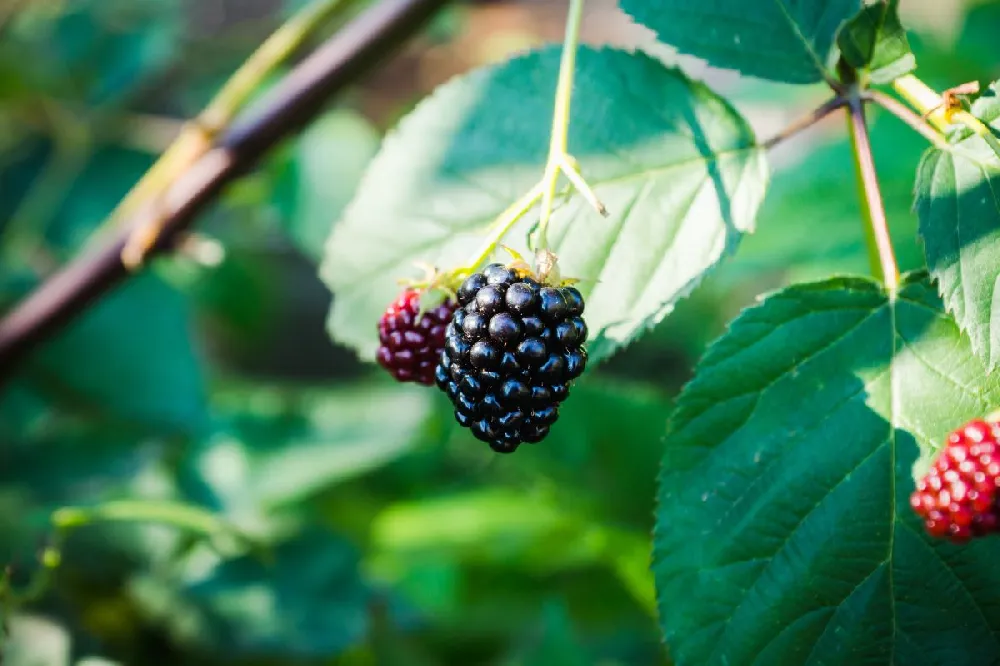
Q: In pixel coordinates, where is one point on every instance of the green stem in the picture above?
(180, 516)
(503, 224)
(560, 118)
(930, 104)
(880, 251)
(197, 136)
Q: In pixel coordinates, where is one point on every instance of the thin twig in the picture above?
(340, 62)
(877, 229)
(908, 116)
(807, 121)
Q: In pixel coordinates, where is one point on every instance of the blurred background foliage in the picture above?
(384, 534)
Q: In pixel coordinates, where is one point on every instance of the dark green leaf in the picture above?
(131, 356)
(958, 204)
(874, 42)
(784, 533)
(678, 170)
(783, 40)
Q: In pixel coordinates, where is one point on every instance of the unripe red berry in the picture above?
(958, 497)
(411, 343)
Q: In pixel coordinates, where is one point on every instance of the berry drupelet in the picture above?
(411, 343)
(958, 497)
(511, 350)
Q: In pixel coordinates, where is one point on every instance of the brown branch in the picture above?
(908, 116)
(877, 229)
(340, 62)
(807, 121)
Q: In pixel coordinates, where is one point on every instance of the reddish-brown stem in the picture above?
(877, 228)
(807, 121)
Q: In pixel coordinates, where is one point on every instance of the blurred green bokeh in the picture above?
(388, 535)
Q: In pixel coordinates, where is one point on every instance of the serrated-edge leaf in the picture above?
(883, 52)
(716, 31)
(742, 178)
(773, 549)
(959, 226)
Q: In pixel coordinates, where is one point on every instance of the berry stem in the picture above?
(559, 161)
(880, 252)
(502, 225)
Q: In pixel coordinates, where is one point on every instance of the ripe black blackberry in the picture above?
(512, 349)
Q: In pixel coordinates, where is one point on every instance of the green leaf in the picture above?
(874, 41)
(783, 40)
(676, 167)
(958, 204)
(309, 602)
(323, 173)
(784, 533)
(276, 448)
(130, 356)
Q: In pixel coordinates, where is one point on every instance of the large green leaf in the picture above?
(874, 41)
(131, 356)
(784, 533)
(676, 166)
(958, 202)
(783, 40)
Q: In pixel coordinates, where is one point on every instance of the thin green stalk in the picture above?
(932, 105)
(560, 118)
(503, 224)
(559, 161)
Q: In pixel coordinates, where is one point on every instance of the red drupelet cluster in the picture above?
(410, 345)
(957, 498)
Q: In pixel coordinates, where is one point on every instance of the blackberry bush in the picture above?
(512, 349)
(410, 342)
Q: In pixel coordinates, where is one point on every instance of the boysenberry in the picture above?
(511, 351)
(411, 343)
(958, 497)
